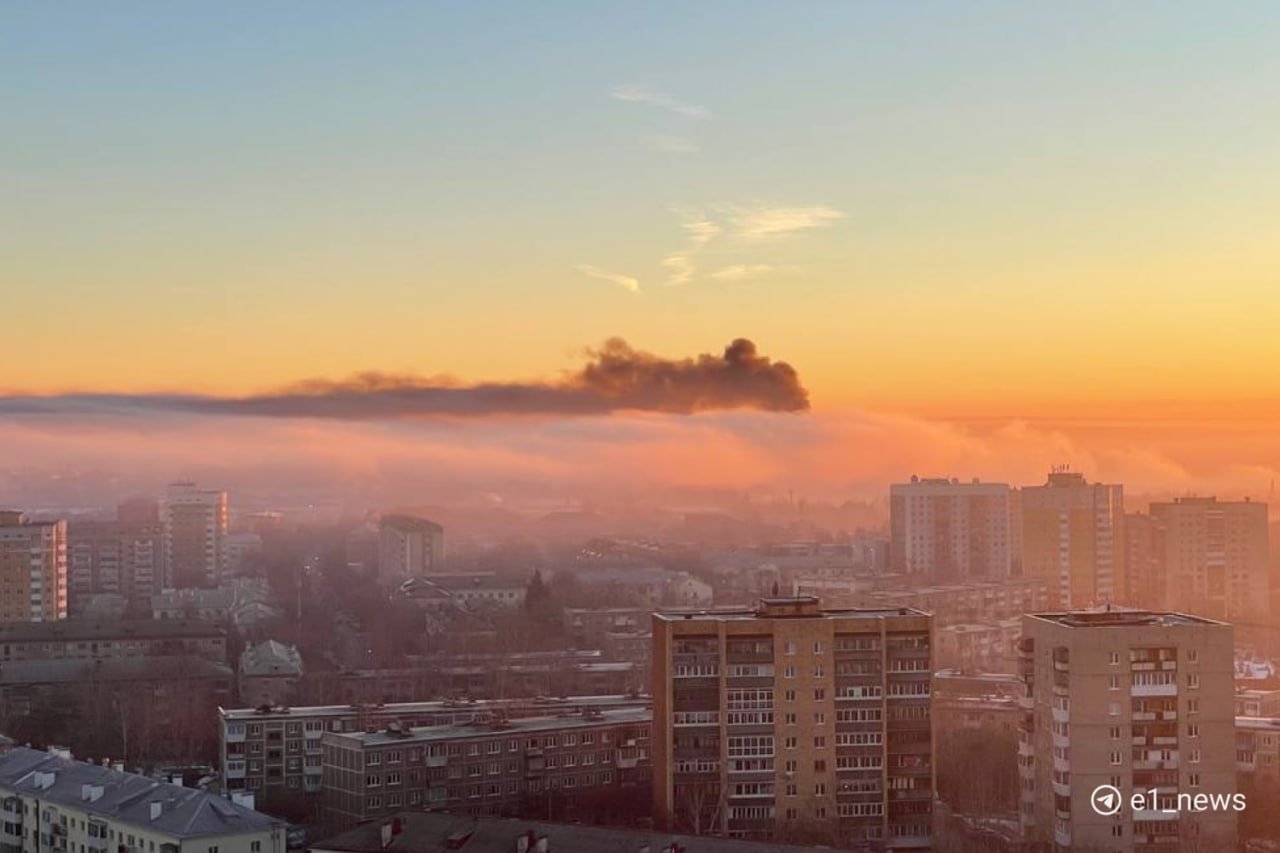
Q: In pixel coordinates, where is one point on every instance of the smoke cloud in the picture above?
(617, 377)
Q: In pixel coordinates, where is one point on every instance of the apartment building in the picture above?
(503, 767)
(790, 722)
(195, 529)
(409, 547)
(264, 748)
(1073, 537)
(33, 569)
(93, 638)
(1132, 699)
(952, 531)
(49, 801)
(1215, 557)
(1258, 751)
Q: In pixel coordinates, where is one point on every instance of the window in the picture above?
(1115, 733)
(820, 789)
(789, 648)
(819, 742)
(1113, 682)
(817, 647)
(790, 743)
(788, 672)
(820, 766)
(1193, 706)
(1193, 730)
(1194, 756)
(817, 670)
(1113, 658)
(1193, 680)
(819, 694)
(1193, 780)
(1193, 655)
(790, 719)
(1113, 708)
(1117, 757)
(789, 695)
(819, 718)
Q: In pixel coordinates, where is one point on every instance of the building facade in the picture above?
(33, 569)
(1073, 536)
(409, 547)
(1132, 699)
(951, 531)
(195, 530)
(263, 748)
(503, 767)
(1215, 558)
(791, 722)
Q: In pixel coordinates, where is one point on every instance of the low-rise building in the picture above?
(279, 747)
(543, 765)
(51, 802)
(269, 673)
(93, 638)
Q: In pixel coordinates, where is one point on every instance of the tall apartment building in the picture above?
(50, 802)
(504, 767)
(195, 527)
(1215, 557)
(409, 547)
(114, 558)
(952, 531)
(792, 722)
(33, 569)
(1073, 535)
(1144, 577)
(265, 748)
(1132, 699)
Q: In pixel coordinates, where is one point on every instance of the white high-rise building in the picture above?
(195, 530)
(951, 531)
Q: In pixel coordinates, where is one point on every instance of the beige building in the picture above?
(1132, 699)
(952, 531)
(1215, 557)
(1073, 536)
(195, 530)
(33, 569)
(788, 721)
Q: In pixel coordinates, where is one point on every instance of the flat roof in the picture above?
(517, 726)
(431, 832)
(747, 614)
(438, 705)
(1123, 619)
(105, 629)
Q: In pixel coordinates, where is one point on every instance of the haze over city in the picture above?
(987, 237)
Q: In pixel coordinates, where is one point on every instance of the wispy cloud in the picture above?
(641, 95)
(626, 282)
(740, 272)
(679, 269)
(761, 222)
(672, 144)
(701, 230)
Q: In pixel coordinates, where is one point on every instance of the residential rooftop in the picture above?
(1123, 619)
(422, 832)
(789, 607)
(184, 813)
(517, 726)
(97, 629)
(572, 703)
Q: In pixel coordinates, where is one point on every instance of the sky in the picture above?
(1041, 230)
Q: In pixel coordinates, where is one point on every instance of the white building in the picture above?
(952, 531)
(52, 802)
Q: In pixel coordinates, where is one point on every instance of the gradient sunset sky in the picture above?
(967, 214)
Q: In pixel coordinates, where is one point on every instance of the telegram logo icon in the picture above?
(1105, 799)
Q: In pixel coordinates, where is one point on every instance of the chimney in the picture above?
(118, 765)
(156, 808)
(543, 845)
(242, 798)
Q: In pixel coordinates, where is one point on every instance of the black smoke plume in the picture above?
(616, 377)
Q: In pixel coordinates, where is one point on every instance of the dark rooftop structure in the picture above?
(77, 630)
(431, 832)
